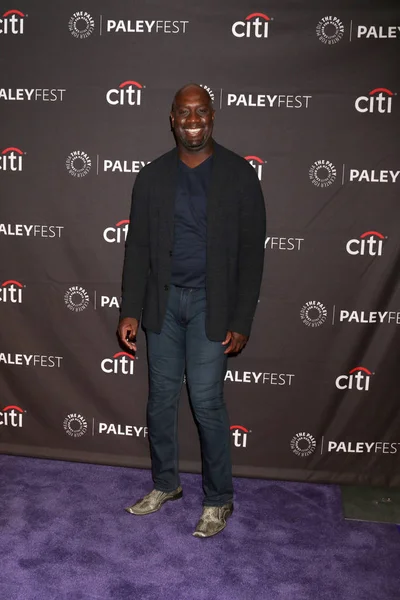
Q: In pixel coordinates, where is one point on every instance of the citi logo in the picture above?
(357, 379)
(11, 291)
(121, 363)
(378, 100)
(11, 159)
(12, 22)
(11, 416)
(128, 92)
(255, 25)
(239, 435)
(118, 233)
(370, 243)
(257, 164)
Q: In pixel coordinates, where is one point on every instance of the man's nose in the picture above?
(193, 117)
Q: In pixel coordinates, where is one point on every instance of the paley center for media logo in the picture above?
(76, 425)
(358, 378)
(254, 25)
(11, 291)
(12, 22)
(304, 444)
(78, 163)
(378, 100)
(81, 24)
(370, 243)
(314, 314)
(11, 159)
(128, 92)
(330, 30)
(239, 435)
(76, 298)
(323, 173)
(11, 416)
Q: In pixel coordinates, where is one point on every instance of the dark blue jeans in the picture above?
(183, 344)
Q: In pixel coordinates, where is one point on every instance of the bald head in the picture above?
(192, 88)
(192, 118)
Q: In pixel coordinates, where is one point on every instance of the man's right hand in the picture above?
(127, 330)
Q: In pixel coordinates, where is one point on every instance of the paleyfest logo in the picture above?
(81, 24)
(128, 92)
(255, 25)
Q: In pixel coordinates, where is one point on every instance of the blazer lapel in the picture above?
(215, 196)
(166, 193)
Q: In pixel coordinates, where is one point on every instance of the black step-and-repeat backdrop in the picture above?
(308, 95)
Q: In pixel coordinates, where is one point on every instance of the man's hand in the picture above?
(236, 342)
(127, 330)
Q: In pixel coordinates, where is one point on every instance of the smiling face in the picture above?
(192, 118)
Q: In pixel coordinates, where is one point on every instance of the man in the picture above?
(193, 263)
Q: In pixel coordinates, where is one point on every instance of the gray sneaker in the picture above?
(213, 520)
(153, 501)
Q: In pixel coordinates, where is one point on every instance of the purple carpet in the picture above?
(64, 536)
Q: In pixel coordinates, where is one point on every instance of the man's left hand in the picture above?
(236, 342)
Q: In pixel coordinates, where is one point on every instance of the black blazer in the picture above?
(235, 243)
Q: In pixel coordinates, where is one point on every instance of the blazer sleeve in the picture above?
(252, 227)
(136, 260)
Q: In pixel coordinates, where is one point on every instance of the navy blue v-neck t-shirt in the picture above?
(190, 225)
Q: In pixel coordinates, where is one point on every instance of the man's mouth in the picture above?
(193, 132)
